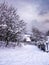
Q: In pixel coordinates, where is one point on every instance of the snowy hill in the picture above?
(26, 55)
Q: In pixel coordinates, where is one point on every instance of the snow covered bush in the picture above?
(41, 45)
(11, 27)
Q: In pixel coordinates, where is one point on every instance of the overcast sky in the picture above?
(34, 12)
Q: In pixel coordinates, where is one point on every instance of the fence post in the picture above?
(47, 47)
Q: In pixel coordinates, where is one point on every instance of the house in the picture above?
(26, 38)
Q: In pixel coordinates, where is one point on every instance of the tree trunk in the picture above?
(7, 42)
(17, 42)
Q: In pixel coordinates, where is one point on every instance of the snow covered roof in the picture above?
(27, 37)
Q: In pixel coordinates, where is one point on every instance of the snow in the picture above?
(28, 39)
(26, 55)
(3, 25)
(47, 39)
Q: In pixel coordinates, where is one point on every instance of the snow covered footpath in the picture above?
(26, 55)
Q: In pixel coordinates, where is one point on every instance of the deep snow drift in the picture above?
(26, 55)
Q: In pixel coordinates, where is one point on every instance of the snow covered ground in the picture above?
(26, 55)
